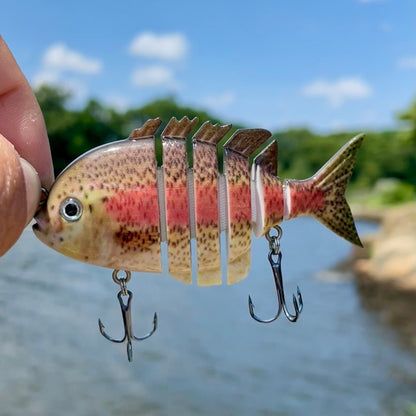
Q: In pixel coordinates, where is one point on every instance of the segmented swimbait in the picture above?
(117, 203)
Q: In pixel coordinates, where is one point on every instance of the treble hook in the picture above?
(274, 244)
(126, 313)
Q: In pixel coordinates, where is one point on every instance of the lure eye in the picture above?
(71, 209)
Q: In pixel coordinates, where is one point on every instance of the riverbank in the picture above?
(385, 269)
(389, 256)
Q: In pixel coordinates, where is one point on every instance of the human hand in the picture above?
(25, 156)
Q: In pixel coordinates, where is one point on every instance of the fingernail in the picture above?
(33, 189)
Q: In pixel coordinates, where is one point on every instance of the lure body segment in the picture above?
(117, 203)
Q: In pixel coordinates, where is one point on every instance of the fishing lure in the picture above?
(116, 204)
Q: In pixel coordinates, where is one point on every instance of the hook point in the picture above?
(129, 351)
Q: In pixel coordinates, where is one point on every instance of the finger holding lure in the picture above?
(117, 203)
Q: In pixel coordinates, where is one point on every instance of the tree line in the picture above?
(385, 154)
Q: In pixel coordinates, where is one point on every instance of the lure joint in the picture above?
(276, 264)
(126, 314)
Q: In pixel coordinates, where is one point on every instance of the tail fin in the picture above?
(323, 195)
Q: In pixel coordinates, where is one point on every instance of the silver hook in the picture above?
(126, 314)
(274, 245)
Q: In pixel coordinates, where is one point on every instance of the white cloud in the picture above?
(170, 46)
(220, 101)
(65, 67)
(75, 86)
(153, 76)
(45, 76)
(60, 58)
(58, 61)
(338, 91)
(408, 62)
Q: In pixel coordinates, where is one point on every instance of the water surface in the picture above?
(208, 356)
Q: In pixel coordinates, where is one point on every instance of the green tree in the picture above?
(73, 132)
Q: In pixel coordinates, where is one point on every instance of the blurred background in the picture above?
(313, 73)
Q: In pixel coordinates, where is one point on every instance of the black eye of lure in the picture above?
(71, 209)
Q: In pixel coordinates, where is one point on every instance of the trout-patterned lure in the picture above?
(117, 203)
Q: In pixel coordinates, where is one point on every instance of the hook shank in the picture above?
(127, 321)
(276, 265)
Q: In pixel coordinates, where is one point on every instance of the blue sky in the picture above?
(326, 65)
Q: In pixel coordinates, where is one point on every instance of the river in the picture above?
(208, 357)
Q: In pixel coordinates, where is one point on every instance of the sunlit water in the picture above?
(208, 357)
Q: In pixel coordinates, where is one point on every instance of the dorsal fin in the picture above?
(247, 141)
(267, 157)
(148, 129)
(211, 133)
(179, 129)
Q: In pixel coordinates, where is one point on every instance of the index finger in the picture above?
(21, 120)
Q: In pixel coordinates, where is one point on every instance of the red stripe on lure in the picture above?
(206, 211)
(135, 207)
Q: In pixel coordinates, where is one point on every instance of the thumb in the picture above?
(19, 194)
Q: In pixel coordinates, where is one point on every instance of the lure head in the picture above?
(103, 208)
(73, 220)
(70, 221)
